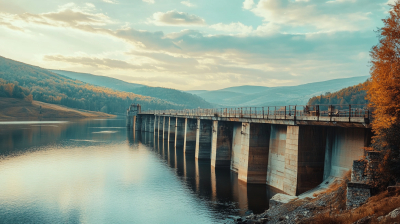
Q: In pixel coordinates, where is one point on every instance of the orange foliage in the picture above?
(384, 88)
(9, 88)
(383, 93)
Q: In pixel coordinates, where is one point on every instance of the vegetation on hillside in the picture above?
(384, 96)
(190, 101)
(14, 108)
(13, 90)
(52, 88)
(350, 95)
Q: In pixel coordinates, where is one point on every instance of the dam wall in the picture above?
(291, 158)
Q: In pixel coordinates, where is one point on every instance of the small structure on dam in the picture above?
(291, 148)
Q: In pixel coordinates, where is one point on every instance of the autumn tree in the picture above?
(383, 93)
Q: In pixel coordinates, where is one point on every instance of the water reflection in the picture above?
(97, 171)
(220, 187)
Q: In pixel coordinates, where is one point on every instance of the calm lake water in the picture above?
(96, 171)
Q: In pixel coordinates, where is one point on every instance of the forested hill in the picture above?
(350, 95)
(49, 87)
(171, 95)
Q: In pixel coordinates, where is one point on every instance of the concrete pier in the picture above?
(258, 153)
(203, 139)
(190, 140)
(171, 130)
(221, 147)
(180, 132)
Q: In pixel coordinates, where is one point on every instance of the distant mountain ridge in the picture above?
(174, 96)
(257, 96)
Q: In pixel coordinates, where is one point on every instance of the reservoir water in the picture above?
(97, 171)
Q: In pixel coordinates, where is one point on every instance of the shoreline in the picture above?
(18, 109)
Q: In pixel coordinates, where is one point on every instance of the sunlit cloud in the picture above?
(233, 28)
(248, 4)
(110, 1)
(96, 62)
(188, 4)
(313, 15)
(149, 1)
(284, 43)
(175, 18)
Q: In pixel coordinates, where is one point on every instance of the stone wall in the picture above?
(362, 175)
(357, 194)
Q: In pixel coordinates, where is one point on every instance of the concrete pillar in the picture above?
(155, 124)
(143, 123)
(160, 122)
(150, 125)
(163, 128)
(134, 123)
(276, 158)
(203, 139)
(180, 132)
(244, 153)
(236, 146)
(166, 128)
(172, 129)
(128, 121)
(190, 141)
(258, 153)
(176, 132)
(291, 160)
(250, 152)
(221, 146)
(169, 129)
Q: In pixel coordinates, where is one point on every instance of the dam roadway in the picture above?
(291, 148)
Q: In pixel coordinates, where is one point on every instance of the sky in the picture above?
(195, 45)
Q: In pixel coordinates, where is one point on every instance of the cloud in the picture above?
(11, 26)
(188, 4)
(267, 55)
(149, 1)
(110, 1)
(233, 28)
(175, 18)
(314, 15)
(248, 4)
(69, 15)
(96, 62)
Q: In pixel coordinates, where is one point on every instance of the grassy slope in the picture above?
(11, 108)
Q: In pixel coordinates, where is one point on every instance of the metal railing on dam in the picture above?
(359, 113)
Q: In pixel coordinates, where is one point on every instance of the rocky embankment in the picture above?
(330, 207)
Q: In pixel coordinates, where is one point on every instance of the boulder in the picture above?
(280, 199)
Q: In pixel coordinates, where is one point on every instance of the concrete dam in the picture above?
(291, 148)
